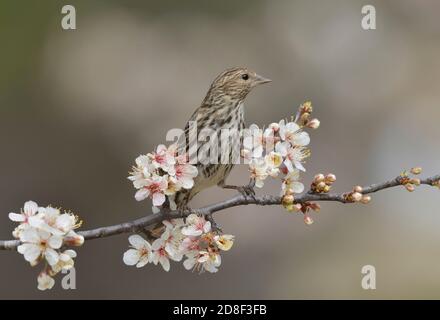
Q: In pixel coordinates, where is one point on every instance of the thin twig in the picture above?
(239, 200)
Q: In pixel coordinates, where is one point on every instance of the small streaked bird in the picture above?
(222, 108)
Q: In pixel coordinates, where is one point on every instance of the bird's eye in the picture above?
(245, 76)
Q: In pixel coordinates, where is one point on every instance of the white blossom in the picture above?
(65, 261)
(291, 181)
(154, 188)
(42, 232)
(163, 158)
(292, 133)
(30, 209)
(224, 241)
(294, 156)
(196, 226)
(160, 255)
(203, 259)
(259, 171)
(140, 254)
(161, 174)
(37, 243)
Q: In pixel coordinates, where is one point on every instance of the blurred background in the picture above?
(77, 107)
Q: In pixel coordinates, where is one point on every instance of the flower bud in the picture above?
(357, 189)
(415, 181)
(416, 170)
(318, 178)
(330, 178)
(320, 186)
(306, 107)
(313, 124)
(308, 220)
(326, 189)
(297, 207)
(305, 117)
(288, 200)
(410, 187)
(366, 199)
(74, 239)
(356, 196)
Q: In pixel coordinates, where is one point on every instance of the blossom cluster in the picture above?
(280, 150)
(43, 233)
(194, 241)
(160, 174)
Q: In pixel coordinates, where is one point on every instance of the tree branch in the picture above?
(239, 200)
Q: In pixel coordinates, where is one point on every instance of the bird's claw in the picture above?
(247, 191)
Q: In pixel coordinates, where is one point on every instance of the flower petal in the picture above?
(297, 187)
(301, 139)
(30, 208)
(30, 251)
(131, 257)
(158, 199)
(165, 263)
(16, 217)
(142, 194)
(51, 256)
(138, 242)
(55, 242)
(189, 263)
(30, 235)
(143, 261)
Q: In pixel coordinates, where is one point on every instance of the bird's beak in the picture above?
(260, 80)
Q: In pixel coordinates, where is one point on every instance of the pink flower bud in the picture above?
(330, 178)
(308, 220)
(313, 124)
(357, 189)
(74, 239)
(318, 178)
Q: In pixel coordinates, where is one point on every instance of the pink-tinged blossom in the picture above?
(154, 188)
(185, 174)
(196, 226)
(163, 158)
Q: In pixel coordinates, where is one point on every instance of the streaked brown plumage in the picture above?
(222, 108)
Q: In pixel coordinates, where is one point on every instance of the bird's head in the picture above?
(236, 83)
